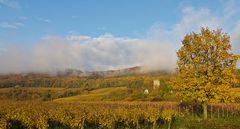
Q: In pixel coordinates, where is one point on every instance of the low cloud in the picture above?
(89, 53)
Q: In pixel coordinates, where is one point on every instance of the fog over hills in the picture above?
(156, 50)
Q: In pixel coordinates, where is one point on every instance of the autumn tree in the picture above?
(206, 68)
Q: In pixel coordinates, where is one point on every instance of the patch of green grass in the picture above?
(198, 123)
(113, 93)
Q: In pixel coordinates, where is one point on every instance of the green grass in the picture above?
(79, 94)
(113, 93)
(194, 123)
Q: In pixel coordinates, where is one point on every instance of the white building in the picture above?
(146, 92)
(156, 84)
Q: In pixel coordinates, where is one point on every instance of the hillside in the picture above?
(75, 78)
(103, 94)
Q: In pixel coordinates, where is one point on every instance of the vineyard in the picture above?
(119, 64)
(106, 103)
(113, 115)
(89, 82)
(119, 88)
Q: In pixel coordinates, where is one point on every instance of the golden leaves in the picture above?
(78, 114)
(206, 66)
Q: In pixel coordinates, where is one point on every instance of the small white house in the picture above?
(146, 92)
(156, 84)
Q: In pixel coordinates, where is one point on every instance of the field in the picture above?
(103, 94)
(119, 88)
(117, 115)
(107, 103)
(157, 64)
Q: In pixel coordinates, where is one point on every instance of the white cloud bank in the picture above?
(156, 51)
(88, 53)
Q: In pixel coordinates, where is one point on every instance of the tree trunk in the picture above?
(169, 124)
(83, 124)
(113, 124)
(204, 105)
(155, 124)
(137, 124)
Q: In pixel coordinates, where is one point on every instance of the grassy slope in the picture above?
(113, 93)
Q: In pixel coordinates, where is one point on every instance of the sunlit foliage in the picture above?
(206, 68)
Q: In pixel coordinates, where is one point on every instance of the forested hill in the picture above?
(131, 77)
(92, 81)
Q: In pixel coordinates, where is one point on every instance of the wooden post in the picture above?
(205, 112)
(227, 112)
(137, 124)
(83, 123)
(222, 111)
(211, 111)
(155, 124)
(192, 111)
(113, 124)
(179, 109)
(218, 112)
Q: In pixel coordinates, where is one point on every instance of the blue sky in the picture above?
(91, 17)
(28, 24)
